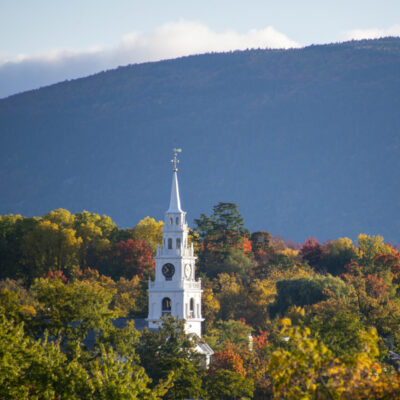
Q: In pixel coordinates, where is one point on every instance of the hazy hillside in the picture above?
(306, 142)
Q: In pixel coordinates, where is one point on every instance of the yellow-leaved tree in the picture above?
(150, 230)
(370, 246)
(50, 246)
(304, 368)
(94, 231)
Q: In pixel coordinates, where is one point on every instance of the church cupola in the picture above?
(175, 289)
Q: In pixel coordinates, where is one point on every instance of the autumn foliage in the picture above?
(286, 321)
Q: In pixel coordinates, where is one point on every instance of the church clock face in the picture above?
(188, 271)
(168, 271)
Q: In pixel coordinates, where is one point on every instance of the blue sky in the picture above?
(46, 41)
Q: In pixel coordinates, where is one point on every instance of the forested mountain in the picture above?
(305, 141)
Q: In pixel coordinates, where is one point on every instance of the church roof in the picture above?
(204, 348)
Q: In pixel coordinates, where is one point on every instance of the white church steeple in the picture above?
(175, 201)
(175, 290)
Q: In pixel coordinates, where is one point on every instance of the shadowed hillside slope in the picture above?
(305, 141)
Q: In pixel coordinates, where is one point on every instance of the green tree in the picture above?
(16, 302)
(369, 247)
(129, 295)
(118, 377)
(186, 378)
(33, 369)
(13, 229)
(210, 304)
(337, 254)
(224, 219)
(339, 327)
(94, 232)
(169, 350)
(50, 247)
(230, 260)
(302, 367)
(39, 370)
(306, 291)
(236, 332)
(372, 298)
(229, 294)
(228, 385)
(261, 240)
(9, 247)
(70, 310)
(225, 246)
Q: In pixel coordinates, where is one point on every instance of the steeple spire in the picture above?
(175, 201)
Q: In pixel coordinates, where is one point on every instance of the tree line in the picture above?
(286, 320)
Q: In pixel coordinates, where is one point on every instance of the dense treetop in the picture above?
(317, 320)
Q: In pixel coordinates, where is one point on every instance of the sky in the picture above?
(47, 41)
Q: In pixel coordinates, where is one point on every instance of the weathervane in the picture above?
(175, 161)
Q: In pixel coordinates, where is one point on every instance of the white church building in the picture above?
(175, 290)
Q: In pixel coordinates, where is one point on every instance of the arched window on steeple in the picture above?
(171, 221)
(177, 220)
(170, 243)
(178, 243)
(191, 313)
(166, 306)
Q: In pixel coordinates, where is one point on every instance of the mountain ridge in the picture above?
(304, 140)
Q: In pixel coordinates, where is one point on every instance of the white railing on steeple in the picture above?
(183, 284)
(182, 251)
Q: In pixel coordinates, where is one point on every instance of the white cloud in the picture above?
(373, 33)
(184, 38)
(168, 41)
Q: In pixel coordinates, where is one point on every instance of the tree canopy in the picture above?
(286, 320)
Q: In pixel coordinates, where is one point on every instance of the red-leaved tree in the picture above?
(311, 251)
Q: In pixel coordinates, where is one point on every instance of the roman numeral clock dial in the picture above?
(168, 271)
